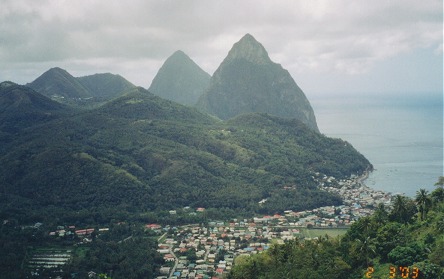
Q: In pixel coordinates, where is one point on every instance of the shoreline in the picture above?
(359, 199)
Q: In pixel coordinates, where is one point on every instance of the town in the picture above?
(209, 250)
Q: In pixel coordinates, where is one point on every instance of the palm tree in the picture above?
(365, 249)
(403, 209)
(423, 202)
(399, 207)
(381, 214)
(365, 224)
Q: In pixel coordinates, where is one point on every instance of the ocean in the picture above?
(401, 135)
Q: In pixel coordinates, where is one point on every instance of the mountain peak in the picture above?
(250, 49)
(57, 69)
(179, 58)
(179, 53)
(180, 80)
(248, 81)
(58, 82)
(6, 84)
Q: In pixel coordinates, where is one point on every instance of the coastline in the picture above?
(359, 200)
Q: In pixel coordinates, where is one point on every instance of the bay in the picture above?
(401, 135)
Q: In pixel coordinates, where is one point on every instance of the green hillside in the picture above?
(105, 86)
(57, 83)
(84, 92)
(140, 153)
(406, 242)
(21, 107)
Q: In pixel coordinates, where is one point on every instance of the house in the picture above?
(169, 258)
(165, 270)
(84, 232)
(153, 226)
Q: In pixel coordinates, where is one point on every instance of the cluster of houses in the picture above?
(215, 246)
(356, 194)
(72, 231)
(212, 248)
(208, 251)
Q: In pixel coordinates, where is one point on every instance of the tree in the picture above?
(438, 195)
(381, 214)
(403, 209)
(368, 248)
(423, 202)
(440, 182)
(388, 237)
(403, 256)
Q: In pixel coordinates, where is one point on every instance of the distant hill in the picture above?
(57, 83)
(141, 153)
(91, 90)
(180, 79)
(106, 85)
(22, 107)
(248, 81)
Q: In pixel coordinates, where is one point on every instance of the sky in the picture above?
(328, 46)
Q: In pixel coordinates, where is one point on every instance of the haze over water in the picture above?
(401, 135)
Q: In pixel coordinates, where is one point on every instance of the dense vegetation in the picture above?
(411, 235)
(125, 251)
(141, 154)
(138, 156)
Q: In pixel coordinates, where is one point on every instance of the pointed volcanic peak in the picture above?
(21, 106)
(250, 49)
(248, 81)
(58, 83)
(180, 80)
(106, 85)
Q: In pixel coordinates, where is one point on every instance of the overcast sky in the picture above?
(327, 45)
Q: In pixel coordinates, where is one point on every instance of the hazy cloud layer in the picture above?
(133, 38)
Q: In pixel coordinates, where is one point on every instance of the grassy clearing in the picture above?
(312, 233)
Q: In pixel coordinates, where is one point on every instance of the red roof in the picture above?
(153, 226)
(85, 231)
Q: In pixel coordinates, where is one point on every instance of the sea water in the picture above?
(401, 135)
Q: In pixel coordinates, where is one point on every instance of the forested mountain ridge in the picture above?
(105, 85)
(59, 85)
(399, 243)
(22, 107)
(140, 153)
(180, 79)
(248, 81)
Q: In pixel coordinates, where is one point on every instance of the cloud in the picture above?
(316, 36)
